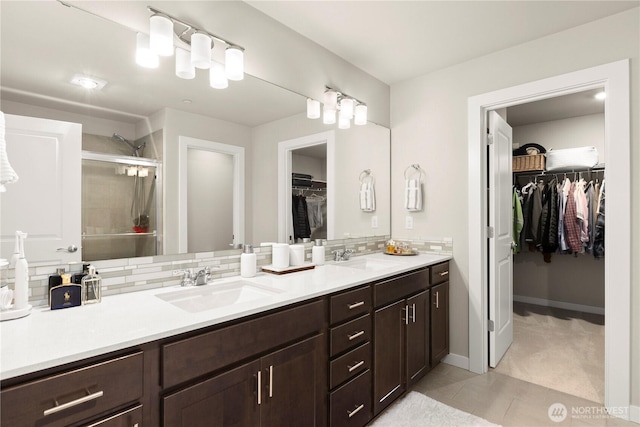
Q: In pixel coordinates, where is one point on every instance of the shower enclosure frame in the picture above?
(136, 161)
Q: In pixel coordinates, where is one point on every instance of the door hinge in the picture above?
(492, 326)
(490, 232)
(489, 138)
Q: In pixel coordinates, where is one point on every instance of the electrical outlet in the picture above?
(374, 221)
(408, 222)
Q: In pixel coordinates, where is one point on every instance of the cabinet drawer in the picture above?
(208, 352)
(129, 418)
(80, 394)
(350, 365)
(350, 335)
(439, 273)
(350, 405)
(348, 305)
(400, 287)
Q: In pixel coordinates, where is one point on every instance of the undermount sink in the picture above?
(367, 264)
(217, 295)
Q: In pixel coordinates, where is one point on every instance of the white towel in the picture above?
(413, 195)
(7, 174)
(367, 197)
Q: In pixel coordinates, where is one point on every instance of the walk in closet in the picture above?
(309, 193)
(558, 261)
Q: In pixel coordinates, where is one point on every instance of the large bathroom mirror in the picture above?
(45, 43)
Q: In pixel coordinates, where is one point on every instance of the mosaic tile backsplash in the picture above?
(136, 274)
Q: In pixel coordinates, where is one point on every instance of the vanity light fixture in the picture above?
(194, 51)
(338, 104)
(217, 76)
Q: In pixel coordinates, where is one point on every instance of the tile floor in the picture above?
(557, 357)
(509, 401)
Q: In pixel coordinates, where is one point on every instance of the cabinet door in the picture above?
(229, 400)
(388, 355)
(417, 337)
(294, 385)
(439, 322)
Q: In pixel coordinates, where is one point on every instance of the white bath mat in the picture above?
(417, 410)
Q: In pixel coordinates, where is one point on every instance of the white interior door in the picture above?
(500, 245)
(45, 202)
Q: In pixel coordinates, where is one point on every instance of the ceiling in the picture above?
(390, 40)
(398, 40)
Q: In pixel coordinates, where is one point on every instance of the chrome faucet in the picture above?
(343, 255)
(187, 278)
(203, 276)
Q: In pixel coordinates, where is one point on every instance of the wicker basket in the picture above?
(528, 163)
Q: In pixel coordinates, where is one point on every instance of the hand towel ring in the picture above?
(412, 169)
(364, 175)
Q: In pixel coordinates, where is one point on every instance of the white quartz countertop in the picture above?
(48, 338)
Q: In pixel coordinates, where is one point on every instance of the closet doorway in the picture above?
(558, 295)
(614, 77)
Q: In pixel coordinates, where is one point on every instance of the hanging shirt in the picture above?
(572, 227)
(582, 211)
(563, 194)
(518, 220)
(598, 244)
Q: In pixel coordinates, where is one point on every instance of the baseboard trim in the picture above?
(456, 360)
(634, 414)
(559, 304)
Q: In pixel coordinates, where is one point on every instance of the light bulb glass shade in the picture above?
(328, 116)
(143, 172)
(346, 108)
(331, 100)
(161, 35)
(313, 109)
(217, 76)
(343, 122)
(145, 57)
(360, 115)
(234, 63)
(201, 50)
(184, 68)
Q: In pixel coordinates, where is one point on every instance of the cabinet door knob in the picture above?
(87, 398)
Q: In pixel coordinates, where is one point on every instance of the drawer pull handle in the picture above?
(444, 273)
(355, 305)
(356, 366)
(413, 313)
(356, 335)
(259, 387)
(87, 398)
(271, 381)
(355, 411)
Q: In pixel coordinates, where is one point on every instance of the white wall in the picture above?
(429, 123)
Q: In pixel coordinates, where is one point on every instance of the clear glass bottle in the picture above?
(92, 287)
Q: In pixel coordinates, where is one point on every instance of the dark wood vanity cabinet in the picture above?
(350, 359)
(104, 393)
(439, 313)
(282, 381)
(279, 389)
(401, 342)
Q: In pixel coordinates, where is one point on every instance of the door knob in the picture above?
(71, 249)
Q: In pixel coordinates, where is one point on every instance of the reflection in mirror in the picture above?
(155, 106)
(309, 187)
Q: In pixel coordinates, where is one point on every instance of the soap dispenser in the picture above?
(248, 262)
(91, 287)
(318, 253)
